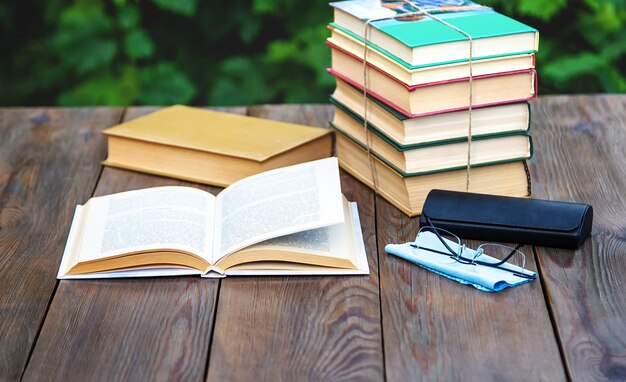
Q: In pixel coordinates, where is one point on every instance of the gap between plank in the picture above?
(380, 292)
(555, 328)
(208, 353)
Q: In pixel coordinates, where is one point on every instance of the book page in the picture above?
(314, 240)
(277, 203)
(335, 241)
(340, 240)
(179, 218)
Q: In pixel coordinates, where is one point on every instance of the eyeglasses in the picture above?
(489, 254)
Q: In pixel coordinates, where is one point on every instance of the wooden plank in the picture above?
(49, 161)
(438, 329)
(580, 155)
(133, 329)
(302, 328)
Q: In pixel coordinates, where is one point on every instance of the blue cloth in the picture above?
(487, 279)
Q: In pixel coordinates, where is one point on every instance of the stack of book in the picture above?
(417, 74)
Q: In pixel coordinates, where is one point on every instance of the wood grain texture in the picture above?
(302, 328)
(438, 329)
(133, 329)
(49, 161)
(580, 146)
(318, 328)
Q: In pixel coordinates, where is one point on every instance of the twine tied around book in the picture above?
(429, 13)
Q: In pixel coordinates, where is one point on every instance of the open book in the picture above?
(288, 221)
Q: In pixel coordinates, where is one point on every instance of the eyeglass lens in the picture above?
(448, 243)
(502, 254)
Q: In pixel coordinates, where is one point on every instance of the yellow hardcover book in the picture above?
(211, 147)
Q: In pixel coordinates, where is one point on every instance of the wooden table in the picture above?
(399, 323)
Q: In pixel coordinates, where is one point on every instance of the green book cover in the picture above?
(396, 145)
(406, 174)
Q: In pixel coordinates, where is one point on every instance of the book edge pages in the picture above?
(70, 244)
(316, 133)
(409, 115)
(166, 174)
(161, 272)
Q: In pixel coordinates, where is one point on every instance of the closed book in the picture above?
(428, 158)
(423, 41)
(211, 147)
(342, 42)
(431, 129)
(408, 193)
(444, 96)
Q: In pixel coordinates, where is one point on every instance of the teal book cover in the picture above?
(427, 31)
(415, 31)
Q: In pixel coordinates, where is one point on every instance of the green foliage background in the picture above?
(157, 52)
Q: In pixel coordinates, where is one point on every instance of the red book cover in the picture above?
(409, 89)
(408, 86)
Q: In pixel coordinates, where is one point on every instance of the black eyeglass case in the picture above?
(506, 219)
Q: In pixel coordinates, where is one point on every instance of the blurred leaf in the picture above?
(128, 16)
(616, 48)
(258, 51)
(84, 39)
(305, 49)
(52, 10)
(138, 44)
(164, 84)
(540, 8)
(249, 30)
(183, 7)
(240, 82)
(607, 18)
(103, 89)
(85, 56)
(298, 95)
(566, 68)
(265, 6)
(594, 4)
(281, 50)
(5, 16)
(88, 16)
(613, 81)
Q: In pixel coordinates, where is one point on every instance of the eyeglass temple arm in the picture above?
(509, 255)
(430, 223)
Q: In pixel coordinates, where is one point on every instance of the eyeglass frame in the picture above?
(467, 261)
